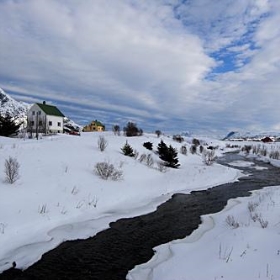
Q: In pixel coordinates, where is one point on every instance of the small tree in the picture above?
(11, 170)
(158, 133)
(184, 150)
(102, 143)
(131, 129)
(148, 145)
(168, 155)
(195, 142)
(8, 125)
(116, 129)
(127, 150)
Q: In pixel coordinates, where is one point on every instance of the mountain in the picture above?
(246, 135)
(12, 107)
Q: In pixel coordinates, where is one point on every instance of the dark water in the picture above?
(110, 254)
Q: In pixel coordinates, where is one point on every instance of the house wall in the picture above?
(37, 119)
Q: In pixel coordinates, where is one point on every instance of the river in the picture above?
(110, 254)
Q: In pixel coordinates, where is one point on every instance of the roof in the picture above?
(50, 110)
(98, 123)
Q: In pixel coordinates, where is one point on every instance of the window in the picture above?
(40, 123)
(39, 112)
(33, 113)
(32, 123)
(59, 124)
(50, 123)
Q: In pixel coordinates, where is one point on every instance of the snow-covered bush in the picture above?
(230, 221)
(11, 170)
(102, 143)
(193, 149)
(183, 150)
(106, 170)
(208, 157)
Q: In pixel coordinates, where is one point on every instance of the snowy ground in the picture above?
(59, 197)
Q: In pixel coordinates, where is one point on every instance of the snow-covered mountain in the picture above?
(246, 135)
(12, 107)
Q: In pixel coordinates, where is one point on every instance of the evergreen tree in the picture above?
(127, 150)
(8, 125)
(168, 155)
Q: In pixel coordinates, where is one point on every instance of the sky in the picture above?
(203, 66)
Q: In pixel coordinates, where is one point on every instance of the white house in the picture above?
(44, 118)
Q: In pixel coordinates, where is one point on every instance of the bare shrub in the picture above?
(136, 154)
(252, 206)
(274, 155)
(102, 143)
(256, 149)
(263, 151)
(178, 138)
(158, 133)
(208, 157)
(193, 149)
(11, 170)
(230, 220)
(42, 209)
(184, 150)
(262, 222)
(116, 129)
(149, 160)
(161, 166)
(142, 157)
(246, 149)
(195, 142)
(107, 171)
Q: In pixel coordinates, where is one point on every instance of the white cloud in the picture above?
(144, 60)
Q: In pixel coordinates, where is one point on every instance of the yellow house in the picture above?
(94, 126)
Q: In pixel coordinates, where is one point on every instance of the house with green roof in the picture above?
(44, 118)
(94, 126)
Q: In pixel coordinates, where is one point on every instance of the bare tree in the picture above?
(116, 129)
(102, 143)
(11, 170)
(158, 133)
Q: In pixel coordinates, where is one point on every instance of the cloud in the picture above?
(148, 61)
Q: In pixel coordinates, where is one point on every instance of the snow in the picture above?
(59, 197)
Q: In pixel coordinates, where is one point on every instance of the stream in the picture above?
(111, 253)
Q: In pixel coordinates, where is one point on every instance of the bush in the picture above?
(168, 155)
(184, 150)
(193, 149)
(11, 170)
(158, 133)
(116, 129)
(148, 145)
(131, 129)
(107, 171)
(127, 150)
(201, 148)
(178, 138)
(102, 143)
(195, 142)
(208, 157)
